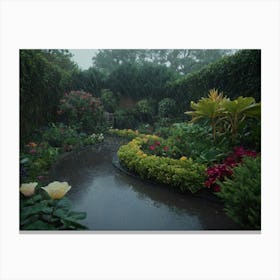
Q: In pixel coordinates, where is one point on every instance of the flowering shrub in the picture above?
(93, 139)
(35, 160)
(82, 109)
(183, 174)
(219, 172)
(156, 146)
(61, 135)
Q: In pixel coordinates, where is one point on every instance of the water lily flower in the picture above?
(57, 190)
(28, 189)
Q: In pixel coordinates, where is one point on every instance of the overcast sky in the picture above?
(83, 57)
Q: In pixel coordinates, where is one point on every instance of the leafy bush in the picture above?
(196, 141)
(36, 159)
(125, 118)
(58, 135)
(223, 114)
(145, 110)
(167, 107)
(182, 174)
(239, 73)
(81, 109)
(109, 100)
(242, 193)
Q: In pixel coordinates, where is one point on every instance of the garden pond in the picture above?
(114, 200)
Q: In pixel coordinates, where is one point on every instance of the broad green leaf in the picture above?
(39, 225)
(77, 215)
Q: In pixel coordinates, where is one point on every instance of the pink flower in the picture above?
(165, 148)
(33, 151)
(152, 147)
(41, 178)
(157, 143)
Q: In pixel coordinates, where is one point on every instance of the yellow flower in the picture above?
(144, 155)
(56, 190)
(28, 189)
(183, 158)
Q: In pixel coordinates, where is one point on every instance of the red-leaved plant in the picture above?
(220, 171)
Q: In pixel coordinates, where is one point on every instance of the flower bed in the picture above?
(183, 173)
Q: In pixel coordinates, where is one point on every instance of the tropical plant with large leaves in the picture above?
(236, 111)
(210, 108)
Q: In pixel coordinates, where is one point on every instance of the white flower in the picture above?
(56, 190)
(28, 189)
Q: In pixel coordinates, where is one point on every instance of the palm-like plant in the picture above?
(210, 108)
(237, 110)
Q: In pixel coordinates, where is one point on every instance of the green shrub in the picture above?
(242, 193)
(109, 100)
(145, 110)
(196, 141)
(58, 135)
(125, 118)
(167, 107)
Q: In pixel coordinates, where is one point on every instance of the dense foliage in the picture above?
(223, 114)
(242, 193)
(81, 109)
(239, 74)
(44, 76)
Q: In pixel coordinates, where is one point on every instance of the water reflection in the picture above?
(115, 201)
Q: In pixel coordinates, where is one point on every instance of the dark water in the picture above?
(116, 201)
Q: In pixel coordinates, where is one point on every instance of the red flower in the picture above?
(157, 143)
(165, 148)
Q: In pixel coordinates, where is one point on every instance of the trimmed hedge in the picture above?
(239, 74)
(183, 174)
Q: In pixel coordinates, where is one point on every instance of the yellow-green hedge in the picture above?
(183, 173)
